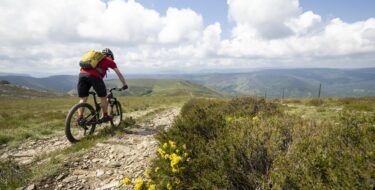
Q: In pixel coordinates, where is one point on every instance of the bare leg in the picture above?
(81, 110)
(104, 104)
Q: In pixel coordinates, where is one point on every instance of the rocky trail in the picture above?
(127, 154)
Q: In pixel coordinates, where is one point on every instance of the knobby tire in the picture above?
(72, 124)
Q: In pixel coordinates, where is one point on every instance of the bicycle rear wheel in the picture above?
(78, 128)
(115, 111)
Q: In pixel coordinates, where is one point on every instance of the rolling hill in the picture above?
(8, 91)
(270, 82)
(294, 82)
(164, 87)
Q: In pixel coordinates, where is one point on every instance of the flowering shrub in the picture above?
(213, 131)
(171, 163)
(248, 143)
(173, 160)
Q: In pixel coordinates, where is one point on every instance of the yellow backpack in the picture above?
(91, 59)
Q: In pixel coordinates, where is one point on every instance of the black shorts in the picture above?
(85, 82)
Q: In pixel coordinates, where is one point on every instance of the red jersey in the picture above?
(104, 65)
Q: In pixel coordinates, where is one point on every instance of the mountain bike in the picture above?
(77, 128)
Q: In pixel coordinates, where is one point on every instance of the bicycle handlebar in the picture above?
(118, 89)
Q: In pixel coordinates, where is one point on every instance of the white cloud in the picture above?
(121, 22)
(309, 38)
(51, 35)
(181, 25)
(304, 23)
(211, 39)
(266, 17)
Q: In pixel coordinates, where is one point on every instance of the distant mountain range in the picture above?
(294, 82)
(138, 87)
(270, 82)
(59, 83)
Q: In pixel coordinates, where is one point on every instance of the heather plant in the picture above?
(329, 155)
(220, 143)
(248, 143)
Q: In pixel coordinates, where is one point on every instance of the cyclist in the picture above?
(91, 77)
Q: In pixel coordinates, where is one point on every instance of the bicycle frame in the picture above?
(111, 100)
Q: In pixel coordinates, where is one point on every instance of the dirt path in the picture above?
(26, 152)
(103, 166)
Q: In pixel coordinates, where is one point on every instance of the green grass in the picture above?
(35, 118)
(135, 103)
(32, 118)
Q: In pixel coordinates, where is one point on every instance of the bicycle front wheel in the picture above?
(76, 128)
(115, 111)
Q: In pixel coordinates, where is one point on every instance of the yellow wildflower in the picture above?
(184, 146)
(166, 156)
(169, 186)
(185, 154)
(148, 172)
(177, 151)
(175, 159)
(126, 181)
(161, 152)
(138, 184)
(151, 187)
(165, 146)
(157, 169)
(188, 159)
(172, 144)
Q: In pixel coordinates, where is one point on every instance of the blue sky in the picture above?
(217, 10)
(187, 36)
(347, 10)
(211, 10)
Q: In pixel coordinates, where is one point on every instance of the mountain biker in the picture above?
(91, 77)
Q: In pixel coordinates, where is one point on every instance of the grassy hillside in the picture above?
(164, 87)
(8, 91)
(26, 118)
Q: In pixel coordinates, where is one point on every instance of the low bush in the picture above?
(248, 143)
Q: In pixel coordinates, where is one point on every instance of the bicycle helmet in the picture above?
(108, 52)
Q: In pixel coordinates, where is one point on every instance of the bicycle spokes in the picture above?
(80, 122)
(116, 113)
